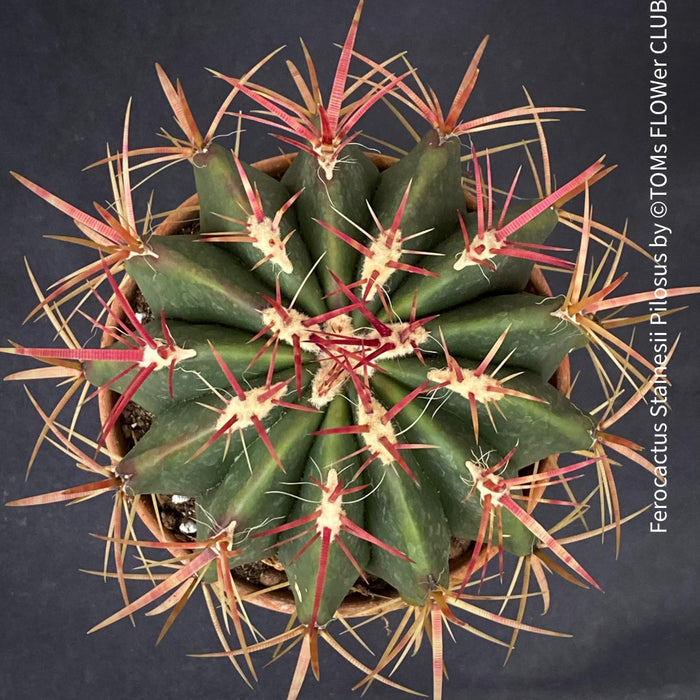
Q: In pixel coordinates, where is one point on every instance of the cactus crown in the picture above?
(347, 371)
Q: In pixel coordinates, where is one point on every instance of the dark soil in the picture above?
(140, 306)
(135, 422)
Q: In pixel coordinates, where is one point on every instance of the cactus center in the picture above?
(340, 326)
(333, 374)
(328, 382)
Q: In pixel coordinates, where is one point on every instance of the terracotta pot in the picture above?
(355, 604)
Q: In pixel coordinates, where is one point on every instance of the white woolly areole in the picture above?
(330, 379)
(485, 485)
(564, 315)
(225, 537)
(381, 253)
(401, 348)
(377, 431)
(268, 240)
(248, 408)
(286, 329)
(481, 386)
(326, 157)
(484, 247)
(163, 356)
(144, 252)
(331, 511)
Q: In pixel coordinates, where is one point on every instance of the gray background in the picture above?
(69, 69)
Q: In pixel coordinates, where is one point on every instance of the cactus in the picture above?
(348, 367)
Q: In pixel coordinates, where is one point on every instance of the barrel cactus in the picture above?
(347, 367)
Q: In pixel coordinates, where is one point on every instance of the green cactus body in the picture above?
(336, 202)
(162, 460)
(410, 518)
(225, 208)
(432, 171)
(179, 453)
(524, 410)
(256, 491)
(417, 498)
(303, 565)
(450, 287)
(537, 339)
(193, 281)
